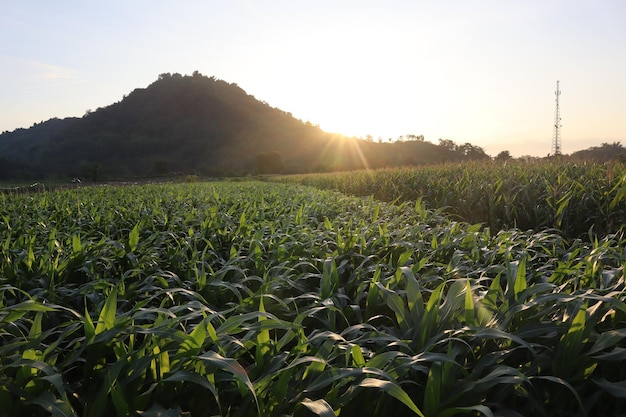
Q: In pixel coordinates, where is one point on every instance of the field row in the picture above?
(573, 198)
(246, 299)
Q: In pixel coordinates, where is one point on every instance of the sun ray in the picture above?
(362, 158)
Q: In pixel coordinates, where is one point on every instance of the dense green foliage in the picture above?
(248, 299)
(572, 198)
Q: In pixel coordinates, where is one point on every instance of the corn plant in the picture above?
(576, 199)
(259, 299)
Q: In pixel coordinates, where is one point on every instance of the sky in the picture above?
(479, 71)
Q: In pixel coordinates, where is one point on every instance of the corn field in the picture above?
(576, 199)
(265, 299)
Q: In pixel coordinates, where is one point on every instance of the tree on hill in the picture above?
(603, 153)
(472, 152)
(503, 156)
(270, 162)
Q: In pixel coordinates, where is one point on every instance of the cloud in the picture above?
(29, 68)
(48, 71)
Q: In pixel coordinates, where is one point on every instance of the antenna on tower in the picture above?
(556, 140)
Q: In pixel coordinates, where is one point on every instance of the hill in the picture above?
(198, 124)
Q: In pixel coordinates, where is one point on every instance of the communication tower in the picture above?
(556, 140)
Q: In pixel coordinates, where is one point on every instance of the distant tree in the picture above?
(8, 168)
(503, 156)
(161, 167)
(527, 158)
(269, 162)
(90, 171)
(603, 153)
(94, 171)
(448, 144)
(418, 138)
(472, 152)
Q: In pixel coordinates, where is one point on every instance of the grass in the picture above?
(251, 298)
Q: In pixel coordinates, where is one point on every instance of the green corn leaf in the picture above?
(494, 294)
(327, 224)
(392, 389)
(159, 364)
(14, 312)
(395, 303)
(262, 337)
(375, 213)
(231, 366)
(133, 238)
(90, 330)
(616, 389)
(35, 327)
(415, 302)
(620, 193)
(53, 405)
(187, 376)
(233, 252)
(199, 334)
(571, 343)
(520, 278)
(357, 357)
(607, 339)
(329, 280)
(432, 392)
(319, 407)
(106, 320)
(77, 247)
(456, 411)
(404, 257)
(233, 324)
(429, 320)
(211, 331)
(314, 368)
(564, 383)
(372, 294)
(617, 354)
(332, 375)
(30, 258)
(435, 298)
(493, 333)
(119, 402)
(574, 334)
(470, 316)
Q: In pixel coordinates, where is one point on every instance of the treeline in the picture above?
(603, 153)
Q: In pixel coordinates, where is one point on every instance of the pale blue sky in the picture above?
(480, 71)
